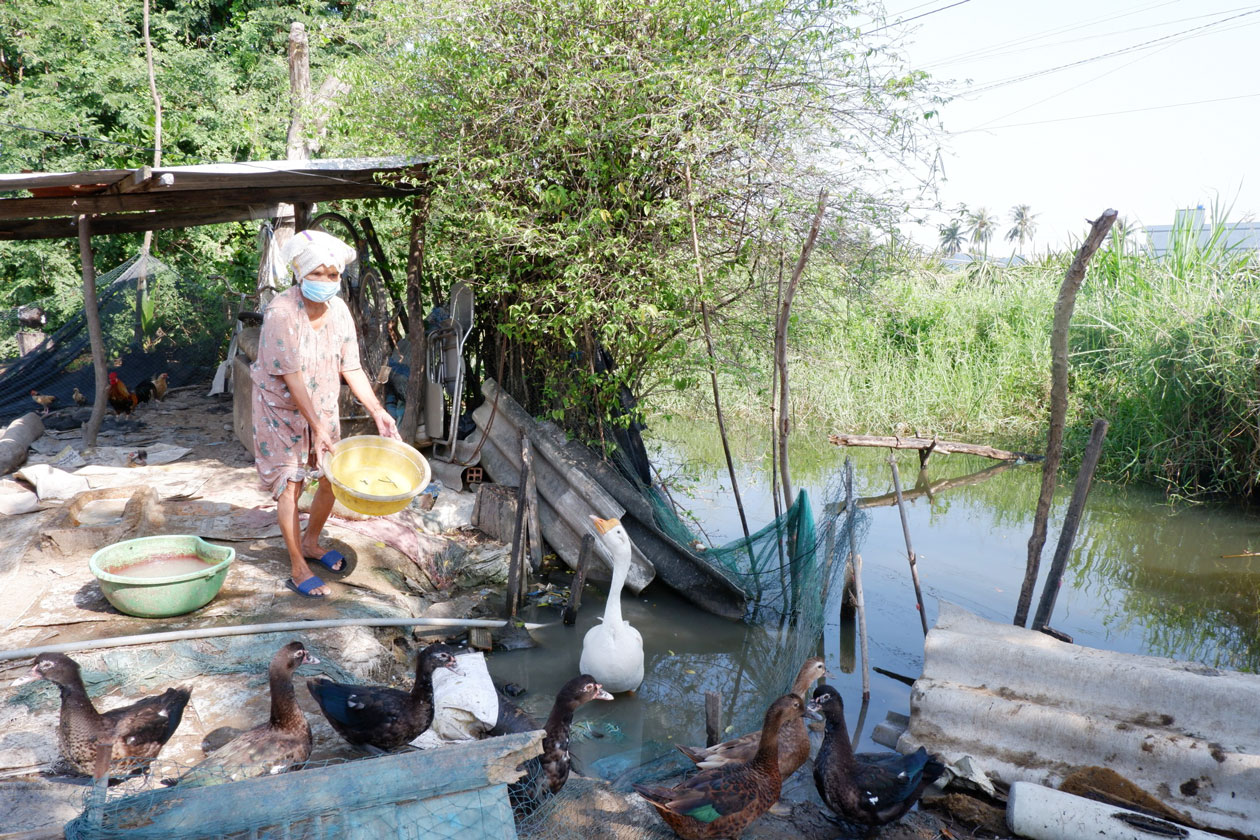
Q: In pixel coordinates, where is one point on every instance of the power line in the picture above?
(1111, 54)
(1113, 113)
(916, 17)
(1037, 36)
(981, 55)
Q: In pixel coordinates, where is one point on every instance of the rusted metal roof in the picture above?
(133, 200)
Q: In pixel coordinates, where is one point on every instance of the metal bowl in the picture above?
(376, 476)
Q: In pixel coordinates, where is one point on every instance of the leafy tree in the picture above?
(952, 238)
(1023, 225)
(980, 225)
(74, 96)
(565, 131)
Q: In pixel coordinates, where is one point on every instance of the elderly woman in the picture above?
(307, 346)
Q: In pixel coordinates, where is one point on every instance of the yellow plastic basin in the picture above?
(376, 476)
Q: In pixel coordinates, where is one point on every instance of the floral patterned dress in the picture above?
(289, 344)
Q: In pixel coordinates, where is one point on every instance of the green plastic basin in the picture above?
(158, 597)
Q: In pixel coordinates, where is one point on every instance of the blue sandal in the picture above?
(330, 560)
(304, 588)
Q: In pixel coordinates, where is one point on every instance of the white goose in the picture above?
(612, 652)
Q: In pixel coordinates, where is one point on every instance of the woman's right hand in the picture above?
(322, 444)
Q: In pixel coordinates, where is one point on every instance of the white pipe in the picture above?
(253, 629)
(1044, 813)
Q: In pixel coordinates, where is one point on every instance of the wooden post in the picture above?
(780, 345)
(417, 341)
(708, 342)
(856, 560)
(1071, 520)
(516, 560)
(533, 525)
(712, 718)
(905, 529)
(579, 580)
(1063, 308)
(95, 337)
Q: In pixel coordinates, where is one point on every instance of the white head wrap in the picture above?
(309, 249)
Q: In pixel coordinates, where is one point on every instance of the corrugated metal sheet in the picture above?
(1030, 708)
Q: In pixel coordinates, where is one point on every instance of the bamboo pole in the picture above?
(905, 529)
(780, 345)
(859, 599)
(708, 342)
(142, 285)
(1063, 308)
(253, 630)
(1071, 521)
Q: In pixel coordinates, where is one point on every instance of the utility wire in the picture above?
(1037, 36)
(980, 55)
(1111, 54)
(1112, 113)
(916, 17)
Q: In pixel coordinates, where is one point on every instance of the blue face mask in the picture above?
(318, 291)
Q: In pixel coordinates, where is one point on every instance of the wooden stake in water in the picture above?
(1071, 520)
(855, 560)
(712, 718)
(905, 529)
(1063, 308)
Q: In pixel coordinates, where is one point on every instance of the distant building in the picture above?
(1240, 236)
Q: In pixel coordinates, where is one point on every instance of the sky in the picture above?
(1112, 131)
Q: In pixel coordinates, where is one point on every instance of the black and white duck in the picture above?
(866, 790)
(137, 732)
(377, 717)
(282, 743)
(546, 774)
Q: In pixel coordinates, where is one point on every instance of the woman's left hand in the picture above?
(385, 424)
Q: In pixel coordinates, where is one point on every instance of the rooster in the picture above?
(120, 399)
(45, 400)
(79, 399)
(151, 389)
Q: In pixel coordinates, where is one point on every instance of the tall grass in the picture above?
(1167, 349)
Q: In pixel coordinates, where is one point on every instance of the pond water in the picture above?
(1144, 577)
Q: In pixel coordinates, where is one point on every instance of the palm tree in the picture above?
(952, 238)
(1023, 226)
(980, 225)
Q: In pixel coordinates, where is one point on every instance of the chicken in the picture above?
(151, 389)
(45, 400)
(79, 399)
(120, 399)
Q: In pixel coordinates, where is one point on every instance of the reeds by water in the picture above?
(1166, 348)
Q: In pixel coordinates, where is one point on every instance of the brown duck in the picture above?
(866, 790)
(546, 774)
(280, 744)
(137, 732)
(377, 717)
(724, 801)
(793, 738)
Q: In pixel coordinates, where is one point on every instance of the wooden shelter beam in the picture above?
(169, 199)
(132, 223)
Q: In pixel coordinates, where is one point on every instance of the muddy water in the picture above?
(163, 566)
(1145, 577)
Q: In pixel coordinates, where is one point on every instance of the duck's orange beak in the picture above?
(603, 526)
